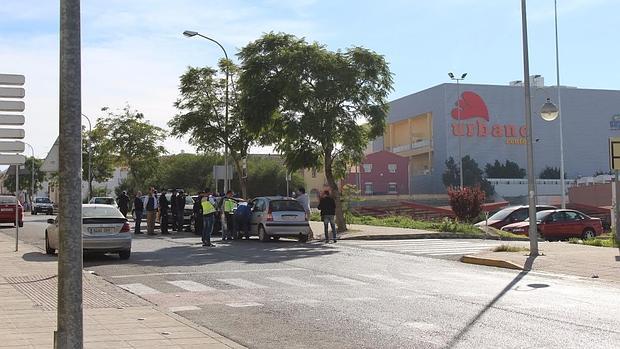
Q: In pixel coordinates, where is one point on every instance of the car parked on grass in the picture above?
(512, 214)
(560, 224)
(7, 210)
(104, 229)
(277, 216)
(42, 205)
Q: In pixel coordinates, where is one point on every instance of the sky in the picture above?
(133, 51)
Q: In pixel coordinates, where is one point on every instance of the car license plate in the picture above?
(95, 230)
(7, 210)
(289, 217)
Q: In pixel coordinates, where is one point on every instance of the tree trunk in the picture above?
(329, 175)
(242, 181)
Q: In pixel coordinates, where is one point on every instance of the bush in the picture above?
(467, 202)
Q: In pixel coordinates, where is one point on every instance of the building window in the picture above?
(392, 188)
(367, 168)
(367, 188)
(313, 172)
(392, 168)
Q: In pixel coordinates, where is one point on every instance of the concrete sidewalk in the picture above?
(113, 318)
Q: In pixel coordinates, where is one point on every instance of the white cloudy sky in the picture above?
(133, 51)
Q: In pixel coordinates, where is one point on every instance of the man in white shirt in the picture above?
(304, 200)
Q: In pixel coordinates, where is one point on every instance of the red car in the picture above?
(560, 224)
(7, 210)
(512, 214)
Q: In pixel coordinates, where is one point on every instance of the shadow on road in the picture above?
(526, 269)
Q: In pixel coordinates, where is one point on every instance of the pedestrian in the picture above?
(150, 203)
(164, 206)
(180, 207)
(243, 216)
(173, 209)
(229, 210)
(208, 216)
(138, 207)
(197, 213)
(304, 200)
(123, 203)
(327, 206)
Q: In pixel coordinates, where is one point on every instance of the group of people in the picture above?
(154, 204)
(205, 207)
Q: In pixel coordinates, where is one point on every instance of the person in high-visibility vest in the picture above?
(208, 216)
(229, 210)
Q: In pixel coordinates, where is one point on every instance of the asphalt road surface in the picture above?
(354, 295)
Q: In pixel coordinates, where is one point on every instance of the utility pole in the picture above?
(16, 207)
(70, 332)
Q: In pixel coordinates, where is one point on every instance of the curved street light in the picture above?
(549, 111)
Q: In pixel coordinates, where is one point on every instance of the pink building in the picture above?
(381, 173)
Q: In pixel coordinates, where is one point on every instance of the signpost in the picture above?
(614, 164)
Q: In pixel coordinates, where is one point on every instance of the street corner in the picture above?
(491, 262)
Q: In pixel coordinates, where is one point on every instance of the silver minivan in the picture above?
(277, 216)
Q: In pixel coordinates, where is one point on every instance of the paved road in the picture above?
(290, 295)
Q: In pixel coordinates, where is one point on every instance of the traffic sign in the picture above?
(12, 159)
(12, 79)
(12, 146)
(12, 92)
(17, 106)
(12, 133)
(12, 119)
(614, 153)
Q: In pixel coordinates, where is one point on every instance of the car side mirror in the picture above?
(50, 221)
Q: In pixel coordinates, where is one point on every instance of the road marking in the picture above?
(242, 283)
(244, 304)
(360, 299)
(186, 308)
(191, 286)
(342, 280)
(426, 250)
(139, 289)
(452, 253)
(382, 278)
(291, 281)
(204, 272)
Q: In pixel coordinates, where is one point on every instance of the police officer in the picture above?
(180, 207)
(229, 210)
(173, 209)
(208, 214)
(197, 210)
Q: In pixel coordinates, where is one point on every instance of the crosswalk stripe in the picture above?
(244, 304)
(342, 280)
(382, 278)
(183, 308)
(139, 289)
(450, 253)
(430, 249)
(242, 283)
(291, 281)
(447, 243)
(191, 286)
(360, 299)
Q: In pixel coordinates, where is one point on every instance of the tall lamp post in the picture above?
(90, 144)
(533, 228)
(32, 173)
(458, 111)
(557, 74)
(189, 34)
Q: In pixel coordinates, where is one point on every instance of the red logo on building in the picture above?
(471, 106)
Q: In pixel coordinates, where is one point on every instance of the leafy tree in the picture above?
(509, 169)
(268, 177)
(133, 142)
(550, 173)
(309, 102)
(25, 176)
(192, 172)
(203, 107)
(472, 175)
(467, 202)
(101, 158)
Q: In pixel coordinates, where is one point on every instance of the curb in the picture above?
(499, 263)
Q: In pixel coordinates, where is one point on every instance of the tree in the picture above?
(268, 177)
(309, 103)
(466, 202)
(550, 173)
(101, 158)
(133, 142)
(508, 170)
(25, 176)
(472, 175)
(192, 172)
(203, 106)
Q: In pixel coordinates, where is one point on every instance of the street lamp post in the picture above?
(557, 73)
(533, 228)
(458, 111)
(32, 178)
(90, 144)
(189, 34)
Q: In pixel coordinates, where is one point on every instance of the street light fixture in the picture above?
(549, 111)
(458, 111)
(190, 34)
(90, 144)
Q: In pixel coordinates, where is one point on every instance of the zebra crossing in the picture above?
(427, 247)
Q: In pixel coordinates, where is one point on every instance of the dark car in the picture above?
(42, 205)
(512, 214)
(560, 224)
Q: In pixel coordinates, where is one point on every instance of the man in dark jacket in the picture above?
(173, 209)
(327, 206)
(123, 203)
(138, 208)
(243, 216)
(180, 207)
(197, 213)
(164, 206)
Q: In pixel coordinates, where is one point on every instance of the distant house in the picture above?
(381, 173)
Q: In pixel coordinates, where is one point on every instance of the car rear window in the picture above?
(285, 205)
(7, 200)
(42, 200)
(104, 201)
(101, 212)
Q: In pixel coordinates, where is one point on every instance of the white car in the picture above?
(103, 200)
(104, 229)
(277, 216)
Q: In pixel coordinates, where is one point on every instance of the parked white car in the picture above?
(103, 200)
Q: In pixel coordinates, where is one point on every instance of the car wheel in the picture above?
(276, 238)
(588, 234)
(303, 238)
(48, 249)
(124, 254)
(262, 234)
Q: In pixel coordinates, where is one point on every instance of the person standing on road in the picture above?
(208, 216)
(173, 209)
(138, 207)
(150, 202)
(327, 206)
(243, 215)
(197, 213)
(304, 200)
(180, 207)
(163, 213)
(229, 210)
(123, 203)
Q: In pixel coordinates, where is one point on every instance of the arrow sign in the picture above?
(12, 79)
(18, 106)
(6, 159)
(8, 119)
(12, 146)
(12, 133)
(12, 92)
